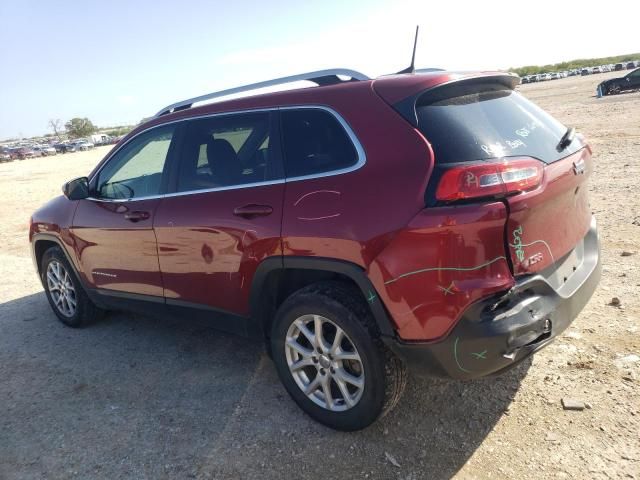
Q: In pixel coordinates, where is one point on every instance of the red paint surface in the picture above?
(207, 254)
(113, 252)
(55, 218)
(553, 217)
(373, 217)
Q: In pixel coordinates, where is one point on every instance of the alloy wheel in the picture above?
(61, 288)
(324, 363)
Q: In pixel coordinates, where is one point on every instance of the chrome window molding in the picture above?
(191, 192)
(360, 154)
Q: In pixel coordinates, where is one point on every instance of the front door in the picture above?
(113, 229)
(222, 216)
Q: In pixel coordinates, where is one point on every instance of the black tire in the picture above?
(384, 373)
(85, 311)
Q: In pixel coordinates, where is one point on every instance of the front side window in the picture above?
(136, 170)
(225, 151)
(315, 142)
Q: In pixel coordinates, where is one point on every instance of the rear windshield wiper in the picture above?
(566, 139)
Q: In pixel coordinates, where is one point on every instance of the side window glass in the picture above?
(136, 170)
(224, 151)
(315, 142)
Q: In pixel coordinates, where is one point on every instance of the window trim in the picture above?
(361, 155)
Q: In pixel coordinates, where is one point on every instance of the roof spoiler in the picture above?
(407, 107)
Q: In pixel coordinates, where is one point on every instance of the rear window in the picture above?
(466, 125)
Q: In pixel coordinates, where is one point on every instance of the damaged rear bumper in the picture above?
(497, 333)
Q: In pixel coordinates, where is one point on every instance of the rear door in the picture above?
(113, 229)
(481, 123)
(224, 214)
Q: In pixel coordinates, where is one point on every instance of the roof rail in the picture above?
(320, 77)
(427, 70)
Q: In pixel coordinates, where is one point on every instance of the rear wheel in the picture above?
(330, 359)
(64, 292)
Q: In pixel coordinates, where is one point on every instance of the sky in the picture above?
(117, 62)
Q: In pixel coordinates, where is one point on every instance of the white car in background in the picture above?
(45, 150)
(83, 144)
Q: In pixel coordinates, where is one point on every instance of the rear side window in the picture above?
(466, 125)
(315, 142)
(225, 151)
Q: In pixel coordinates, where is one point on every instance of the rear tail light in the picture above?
(490, 179)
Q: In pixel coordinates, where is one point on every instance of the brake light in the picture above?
(490, 179)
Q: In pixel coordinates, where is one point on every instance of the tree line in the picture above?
(79, 127)
(573, 64)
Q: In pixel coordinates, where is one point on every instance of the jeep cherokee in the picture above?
(437, 222)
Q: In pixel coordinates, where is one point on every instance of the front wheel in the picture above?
(331, 360)
(64, 292)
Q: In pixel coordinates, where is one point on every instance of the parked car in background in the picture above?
(65, 147)
(37, 151)
(619, 66)
(26, 152)
(631, 81)
(99, 139)
(595, 70)
(459, 243)
(83, 144)
(631, 65)
(45, 150)
(6, 155)
(585, 71)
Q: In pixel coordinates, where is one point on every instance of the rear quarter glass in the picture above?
(471, 123)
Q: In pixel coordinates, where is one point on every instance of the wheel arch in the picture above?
(276, 278)
(41, 243)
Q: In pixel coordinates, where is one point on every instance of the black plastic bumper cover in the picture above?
(497, 333)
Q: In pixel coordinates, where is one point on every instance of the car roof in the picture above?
(394, 88)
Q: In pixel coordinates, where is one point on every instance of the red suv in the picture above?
(436, 220)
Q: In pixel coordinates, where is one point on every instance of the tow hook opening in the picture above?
(546, 334)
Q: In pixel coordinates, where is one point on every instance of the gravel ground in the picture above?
(133, 397)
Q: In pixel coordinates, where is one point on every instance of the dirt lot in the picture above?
(134, 397)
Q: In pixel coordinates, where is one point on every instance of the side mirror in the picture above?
(76, 189)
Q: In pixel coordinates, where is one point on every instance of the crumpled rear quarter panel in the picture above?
(446, 259)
